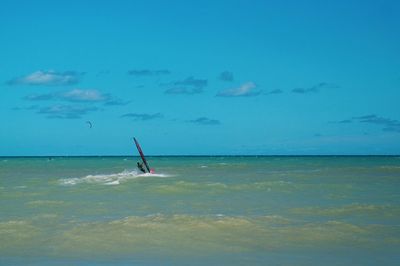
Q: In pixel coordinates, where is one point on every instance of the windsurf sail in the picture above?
(142, 155)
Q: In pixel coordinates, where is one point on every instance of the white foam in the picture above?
(116, 182)
(108, 179)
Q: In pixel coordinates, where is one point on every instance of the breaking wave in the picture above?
(108, 179)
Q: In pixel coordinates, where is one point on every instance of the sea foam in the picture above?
(108, 179)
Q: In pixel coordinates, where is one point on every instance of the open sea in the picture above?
(200, 211)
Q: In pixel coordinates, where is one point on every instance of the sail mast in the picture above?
(141, 154)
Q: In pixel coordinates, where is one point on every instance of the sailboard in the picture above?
(142, 155)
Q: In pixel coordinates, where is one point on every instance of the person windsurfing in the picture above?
(140, 167)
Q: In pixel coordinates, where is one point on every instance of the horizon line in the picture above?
(206, 155)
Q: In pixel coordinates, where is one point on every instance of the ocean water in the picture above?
(200, 211)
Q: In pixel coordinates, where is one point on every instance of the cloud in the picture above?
(190, 85)
(387, 123)
(277, 91)
(226, 76)
(345, 121)
(77, 95)
(40, 97)
(183, 90)
(303, 91)
(47, 78)
(116, 102)
(191, 81)
(205, 121)
(142, 117)
(72, 96)
(246, 90)
(365, 117)
(147, 72)
(65, 111)
(32, 107)
(316, 88)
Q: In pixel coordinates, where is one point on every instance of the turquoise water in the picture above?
(200, 210)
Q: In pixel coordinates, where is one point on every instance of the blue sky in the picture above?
(199, 77)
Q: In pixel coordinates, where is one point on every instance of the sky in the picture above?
(199, 77)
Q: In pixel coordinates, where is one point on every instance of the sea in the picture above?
(200, 210)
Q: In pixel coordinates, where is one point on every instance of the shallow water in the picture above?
(200, 210)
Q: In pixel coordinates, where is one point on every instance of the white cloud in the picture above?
(142, 117)
(48, 78)
(77, 95)
(66, 111)
(247, 89)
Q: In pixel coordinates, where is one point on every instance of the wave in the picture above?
(216, 187)
(224, 233)
(108, 179)
(45, 203)
(390, 167)
(20, 187)
(183, 235)
(352, 209)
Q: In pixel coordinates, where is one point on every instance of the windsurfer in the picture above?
(140, 166)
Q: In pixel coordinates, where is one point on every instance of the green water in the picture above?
(200, 210)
